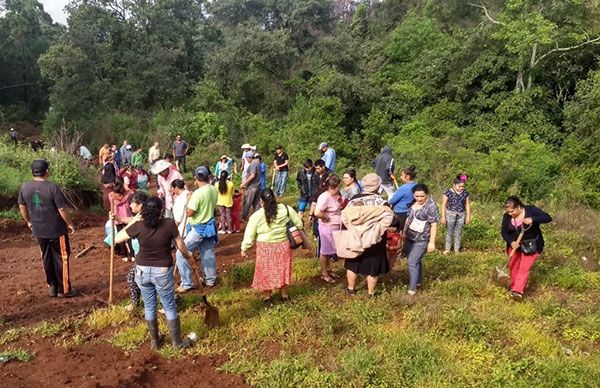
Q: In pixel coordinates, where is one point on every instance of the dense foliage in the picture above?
(504, 90)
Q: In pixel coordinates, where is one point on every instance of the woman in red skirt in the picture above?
(268, 227)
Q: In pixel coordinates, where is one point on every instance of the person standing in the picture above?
(456, 212)
(154, 268)
(263, 171)
(203, 232)
(126, 156)
(225, 163)
(103, 153)
(180, 150)
(268, 227)
(225, 202)
(42, 206)
(420, 231)
(153, 153)
(252, 185)
(137, 159)
(244, 164)
(403, 197)
(307, 181)
(281, 165)
(116, 155)
(328, 210)
(85, 153)
(351, 186)
(520, 218)
(181, 196)
(14, 136)
(329, 156)
(384, 167)
(165, 175)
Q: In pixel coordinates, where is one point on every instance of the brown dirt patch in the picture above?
(24, 302)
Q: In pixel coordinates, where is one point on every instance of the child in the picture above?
(236, 211)
(456, 212)
(224, 202)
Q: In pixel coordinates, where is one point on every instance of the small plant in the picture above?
(18, 354)
(47, 329)
(105, 317)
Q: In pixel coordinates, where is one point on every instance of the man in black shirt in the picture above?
(42, 206)
(281, 164)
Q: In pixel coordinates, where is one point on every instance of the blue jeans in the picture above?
(454, 226)
(157, 280)
(206, 247)
(280, 182)
(414, 252)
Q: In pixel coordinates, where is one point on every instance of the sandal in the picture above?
(328, 279)
(333, 274)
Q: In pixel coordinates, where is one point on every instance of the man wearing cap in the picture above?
(252, 185)
(165, 175)
(180, 150)
(42, 206)
(281, 165)
(203, 233)
(328, 157)
(244, 164)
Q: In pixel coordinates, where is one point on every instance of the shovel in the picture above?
(499, 275)
(211, 313)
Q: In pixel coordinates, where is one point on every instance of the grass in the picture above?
(460, 330)
(17, 354)
(12, 214)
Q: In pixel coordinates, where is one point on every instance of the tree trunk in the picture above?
(531, 66)
(520, 85)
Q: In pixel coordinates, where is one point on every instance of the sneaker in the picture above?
(412, 292)
(229, 232)
(182, 289)
(69, 294)
(52, 292)
(348, 291)
(125, 259)
(221, 232)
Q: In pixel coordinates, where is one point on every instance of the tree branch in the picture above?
(562, 49)
(487, 14)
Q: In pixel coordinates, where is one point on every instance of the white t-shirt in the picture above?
(179, 205)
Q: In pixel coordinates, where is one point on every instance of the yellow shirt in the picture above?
(258, 230)
(227, 198)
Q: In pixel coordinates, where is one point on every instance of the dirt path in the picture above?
(24, 302)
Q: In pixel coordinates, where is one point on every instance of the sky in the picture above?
(55, 9)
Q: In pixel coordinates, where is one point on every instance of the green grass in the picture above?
(17, 354)
(12, 213)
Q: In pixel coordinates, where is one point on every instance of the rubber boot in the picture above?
(175, 334)
(155, 337)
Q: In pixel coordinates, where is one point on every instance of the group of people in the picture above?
(359, 221)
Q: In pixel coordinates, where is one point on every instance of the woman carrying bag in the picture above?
(268, 227)
(517, 218)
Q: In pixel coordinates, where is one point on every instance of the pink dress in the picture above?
(122, 208)
(333, 209)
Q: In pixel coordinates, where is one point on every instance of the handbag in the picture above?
(529, 246)
(295, 237)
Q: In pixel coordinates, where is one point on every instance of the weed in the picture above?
(47, 329)
(18, 354)
(110, 316)
(12, 335)
(130, 338)
(12, 213)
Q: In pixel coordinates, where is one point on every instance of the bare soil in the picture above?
(24, 302)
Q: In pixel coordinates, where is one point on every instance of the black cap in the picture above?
(39, 167)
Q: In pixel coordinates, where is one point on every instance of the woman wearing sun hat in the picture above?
(225, 163)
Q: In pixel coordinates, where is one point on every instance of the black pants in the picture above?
(251, 200)
(125, 249)
(181, 163)
(55, 254)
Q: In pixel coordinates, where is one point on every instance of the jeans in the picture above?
(454, 225)
(157, 280)
(414, 252)
(180, 162)
(280, 182)
(206, 247)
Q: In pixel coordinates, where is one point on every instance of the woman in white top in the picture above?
(181, 194)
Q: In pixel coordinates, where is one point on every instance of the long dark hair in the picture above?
(139, 197)
(270, 204)
(223, 182)
(513, 201)
(119, 185)
(152, 212)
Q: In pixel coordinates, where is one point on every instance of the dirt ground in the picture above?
(24, 302)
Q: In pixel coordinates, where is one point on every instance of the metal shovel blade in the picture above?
(211, 314)
(500, 277)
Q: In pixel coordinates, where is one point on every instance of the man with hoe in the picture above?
(42, 206)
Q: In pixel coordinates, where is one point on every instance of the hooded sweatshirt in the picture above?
(383, 165)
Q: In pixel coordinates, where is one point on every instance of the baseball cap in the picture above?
(39, 167)
(256, 155)
(246, 145)
(202, 172)
(248, 154)
(128, 146)
(323, 144)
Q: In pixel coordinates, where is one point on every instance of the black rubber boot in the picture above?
(155, 337)
(175, 334)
